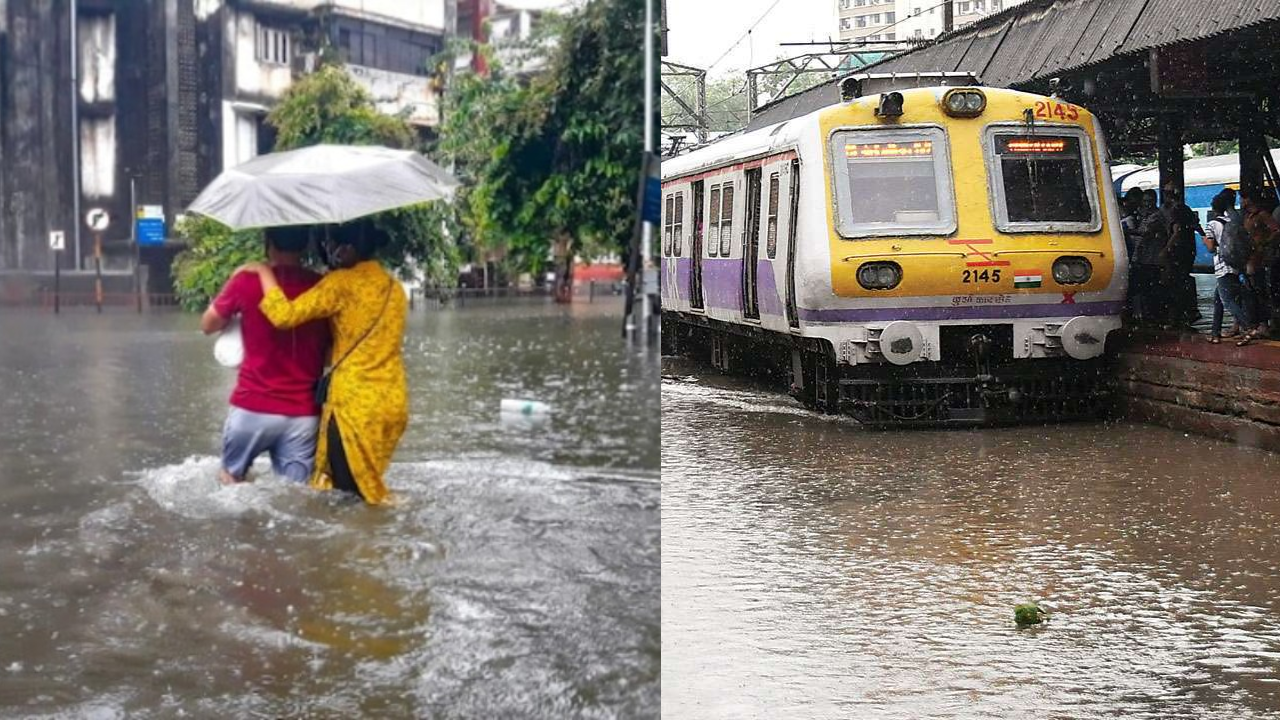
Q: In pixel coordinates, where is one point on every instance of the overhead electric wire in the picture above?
(744, 35)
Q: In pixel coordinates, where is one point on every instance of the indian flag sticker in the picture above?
(1026, 278)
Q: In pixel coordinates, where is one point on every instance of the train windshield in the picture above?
(892, 182)
(1042, 181)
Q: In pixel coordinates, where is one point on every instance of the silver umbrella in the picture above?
(321, 184)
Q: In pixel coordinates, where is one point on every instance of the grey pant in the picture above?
(291, 441)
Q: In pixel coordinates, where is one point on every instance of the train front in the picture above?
(974, 261)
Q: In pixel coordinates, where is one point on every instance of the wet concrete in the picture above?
(517, 577)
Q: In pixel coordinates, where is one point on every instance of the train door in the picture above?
(793, 317)
(695, 252)
(751, 247)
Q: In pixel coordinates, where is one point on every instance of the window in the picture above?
(891, 36)
(844, 23)
(892, 182)
(962, 7)
(713, 223)
(875, 19)
(668, 219)
(888, 17)
(677, 227)
(771, 233)
(916, 12)
(874, 37)
(979, 5)
(859, 3)
(726, 219)
(1042, 181)
(919, 33)
(272, 46)
(861, 22)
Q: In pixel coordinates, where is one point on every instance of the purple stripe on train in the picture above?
(985, 312)
(722, 284)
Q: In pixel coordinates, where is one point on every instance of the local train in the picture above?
(942, 254)
(1204, 177)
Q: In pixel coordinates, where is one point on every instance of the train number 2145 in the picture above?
(981, 276)
(1049, 110)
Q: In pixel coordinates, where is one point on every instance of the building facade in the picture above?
(167, 94)
(907, 20)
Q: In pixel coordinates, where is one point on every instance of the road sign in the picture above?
(97, 219)
(57, 240)
(149, 228)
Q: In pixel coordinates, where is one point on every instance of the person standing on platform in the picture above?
(1263, 272)
(1184, 226)
(1225, 238)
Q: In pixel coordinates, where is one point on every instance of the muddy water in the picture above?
(518, 576)
(813, 569)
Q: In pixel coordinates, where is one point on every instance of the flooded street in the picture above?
(814, 569)
(518, 576)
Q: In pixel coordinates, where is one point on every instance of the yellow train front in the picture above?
(934, 255)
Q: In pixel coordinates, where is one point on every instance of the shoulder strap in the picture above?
(390, 286)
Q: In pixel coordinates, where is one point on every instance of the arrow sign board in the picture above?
(97, 219)
(57, 240)
(149, 228)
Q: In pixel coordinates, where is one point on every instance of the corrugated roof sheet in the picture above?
(1164, 22)
(1022, 52)
(1041, 38)
(983, 47)
(1110, 26)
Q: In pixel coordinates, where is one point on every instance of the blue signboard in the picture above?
(149, 228)
(653, 200)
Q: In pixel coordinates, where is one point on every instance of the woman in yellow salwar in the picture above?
(367, 406)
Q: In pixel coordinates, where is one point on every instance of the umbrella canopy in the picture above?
(321, 184)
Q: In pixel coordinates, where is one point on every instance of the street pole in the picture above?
(97, 264)
(137, 249)
(57, 281)
(75, 132)
(646, 237)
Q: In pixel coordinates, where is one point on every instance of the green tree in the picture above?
(327, 106)
(551, 159)
(213, 253)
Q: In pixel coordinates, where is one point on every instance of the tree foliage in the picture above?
(328, 106)
(213, 253)
(551, 159)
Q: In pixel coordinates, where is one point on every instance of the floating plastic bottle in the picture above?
(528, 408)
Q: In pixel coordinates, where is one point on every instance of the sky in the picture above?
(701, 31)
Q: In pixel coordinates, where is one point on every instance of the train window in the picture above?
(677, 227)
(726, 219)
(892, 182)
(668, 218)
(1042, 181)
(771, 237)
(713, 225)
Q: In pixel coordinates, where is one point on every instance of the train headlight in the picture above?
(964, 102)
(1072, 270)
(879, 275)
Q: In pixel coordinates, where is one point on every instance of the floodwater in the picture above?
(814, 569)
(517, 577)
